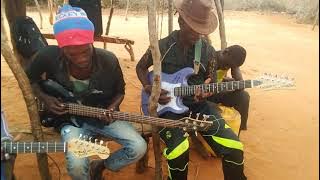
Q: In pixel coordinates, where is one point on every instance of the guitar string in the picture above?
(190, 90)
(123, 116)
(98, 113)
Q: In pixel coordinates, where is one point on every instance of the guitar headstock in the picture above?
(272, 81)
(196, 124)
(83, 147)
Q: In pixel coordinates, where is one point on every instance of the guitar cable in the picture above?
(55, 163)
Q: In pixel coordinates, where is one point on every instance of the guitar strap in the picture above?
(197, 56)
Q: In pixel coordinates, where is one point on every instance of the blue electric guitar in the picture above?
(177, 86)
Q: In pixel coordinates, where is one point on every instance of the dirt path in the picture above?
(282, 138)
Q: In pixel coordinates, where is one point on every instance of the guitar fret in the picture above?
(24, 147)
(47, 146)
(64, 147)
(31, 147)
(55, 146)
(17, 147)
(39, 147)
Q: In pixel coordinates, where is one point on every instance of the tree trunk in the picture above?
(39, 10)
(156, 88)
(25, 87)
(170, 16)
(221, 24)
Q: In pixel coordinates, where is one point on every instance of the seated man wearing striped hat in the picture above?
(82, 69)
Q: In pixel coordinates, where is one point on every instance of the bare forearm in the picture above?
(236, 74)
(143, 76)
(37, 91)
(116, 101)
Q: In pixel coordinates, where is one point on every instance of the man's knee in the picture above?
(245, 97)
(234, 157)
(77, 168)
(68, 132)
(137, 148)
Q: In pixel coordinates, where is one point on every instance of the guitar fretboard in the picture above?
(34, 147)
(213, 87)
(100, 113)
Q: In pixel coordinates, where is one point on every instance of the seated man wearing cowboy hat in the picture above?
(196, 18)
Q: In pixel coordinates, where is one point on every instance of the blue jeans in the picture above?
(133, 146)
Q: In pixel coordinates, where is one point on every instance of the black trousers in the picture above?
(239, 100)
(223, 141)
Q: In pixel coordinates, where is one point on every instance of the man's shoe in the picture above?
(96, 169)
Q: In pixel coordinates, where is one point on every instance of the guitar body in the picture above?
(54, 89)
(169, 82)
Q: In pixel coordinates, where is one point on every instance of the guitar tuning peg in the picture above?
(184, 129)
(101, 142)
(190, 114)
(198, 114)
(96, 141)
(186, 134)
(80, 136)
(90, 138)
(195, 128)
(196, 133)
(205, 117)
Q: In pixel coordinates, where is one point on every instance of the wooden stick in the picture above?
(221, 24)
(156, 88)
(109, 20)
(170, 16)
(50, 6)
(25, 87)
(39, 10)
(108, 24)
(316, 19)
(127, 8)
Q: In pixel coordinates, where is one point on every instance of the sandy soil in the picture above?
(281, 141)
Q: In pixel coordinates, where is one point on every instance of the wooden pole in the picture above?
(108, 24)
(170, 16)
(39, 10)
(316, 20)
(50, 6)
(127, 8)
(25, 87)
(13, 9)
(109, 20)
(221, 24)
(156, 87)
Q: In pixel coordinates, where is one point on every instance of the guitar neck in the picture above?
(100, 113)
(213, 87)
(34, 147)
